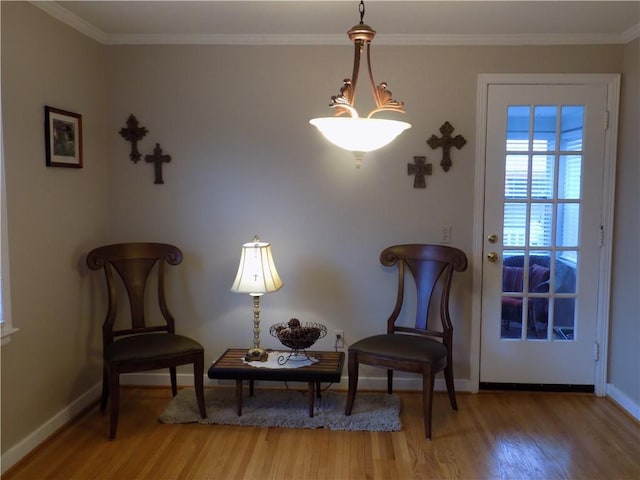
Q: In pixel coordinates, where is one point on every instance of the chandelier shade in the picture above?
(359, 134)
(353, 133)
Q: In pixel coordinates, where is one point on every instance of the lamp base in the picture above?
(256, 355)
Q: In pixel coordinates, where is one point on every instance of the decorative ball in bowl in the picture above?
(297, 336)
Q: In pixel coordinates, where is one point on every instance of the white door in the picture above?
(545, 158)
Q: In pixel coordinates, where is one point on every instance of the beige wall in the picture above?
(624, 344)
(54, 216)
(244, 161)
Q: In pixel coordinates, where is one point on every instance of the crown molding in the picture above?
(72, 20)
(631, 34)
(381, 39)
(501, 39)
(68, 18)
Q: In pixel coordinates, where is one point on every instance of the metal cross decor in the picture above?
(419, 169)
(132, 134)
(446, 142)
(158, 159)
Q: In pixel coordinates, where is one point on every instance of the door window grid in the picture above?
(542, 183)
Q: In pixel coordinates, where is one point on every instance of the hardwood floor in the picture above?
(494, 435)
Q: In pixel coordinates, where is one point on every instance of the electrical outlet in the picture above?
(339, 338)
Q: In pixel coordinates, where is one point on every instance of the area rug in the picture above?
(376, 412)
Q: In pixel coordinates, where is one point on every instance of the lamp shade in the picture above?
(359, 134)
(257, 272)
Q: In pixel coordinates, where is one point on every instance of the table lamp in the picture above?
(256, 276)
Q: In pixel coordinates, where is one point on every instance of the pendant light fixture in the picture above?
(356, 134)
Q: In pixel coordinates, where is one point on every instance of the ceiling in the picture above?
(449, 22)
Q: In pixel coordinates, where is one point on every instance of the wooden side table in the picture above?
(231, 366)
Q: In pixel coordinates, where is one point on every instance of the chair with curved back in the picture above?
(423, 348)
(144, 345)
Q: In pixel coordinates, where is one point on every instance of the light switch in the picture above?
(446, 234)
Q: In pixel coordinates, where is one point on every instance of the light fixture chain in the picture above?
(361, 10)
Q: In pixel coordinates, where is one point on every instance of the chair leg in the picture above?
(114, 390)
(174, 381)
(353, 382)
(451, 390)
(389, 381)
(105, 389)
(427, 398)
(198, 374)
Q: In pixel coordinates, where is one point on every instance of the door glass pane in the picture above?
(512, 279)
(541, 209)
(544, 128)
(516, 176)
(518, 118)
(568, 224)
(542, 177)
(515, 219)
(566, 272)
(564, 318)
(571, 128)
(540, 224)
(538, 318)
(569, 176)
(511, 325)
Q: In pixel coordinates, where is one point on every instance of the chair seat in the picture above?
(150, 346)
(402, 347)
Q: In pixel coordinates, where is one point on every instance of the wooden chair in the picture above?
(144, 346)
(423, 348)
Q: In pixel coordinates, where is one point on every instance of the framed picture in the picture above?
(63, 137)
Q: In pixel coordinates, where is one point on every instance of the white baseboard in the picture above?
(21, 449)
(623, 401)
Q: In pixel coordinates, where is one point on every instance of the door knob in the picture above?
(492, 238)
(492, 257)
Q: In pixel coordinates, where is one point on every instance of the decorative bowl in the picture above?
(297, 336)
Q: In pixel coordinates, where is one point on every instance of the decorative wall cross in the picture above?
(132, 134)
(158, 159)
(419, 169)
(446, 142)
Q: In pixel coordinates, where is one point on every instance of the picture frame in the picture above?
(63, 138)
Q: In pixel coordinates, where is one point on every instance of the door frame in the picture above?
(610, 122)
